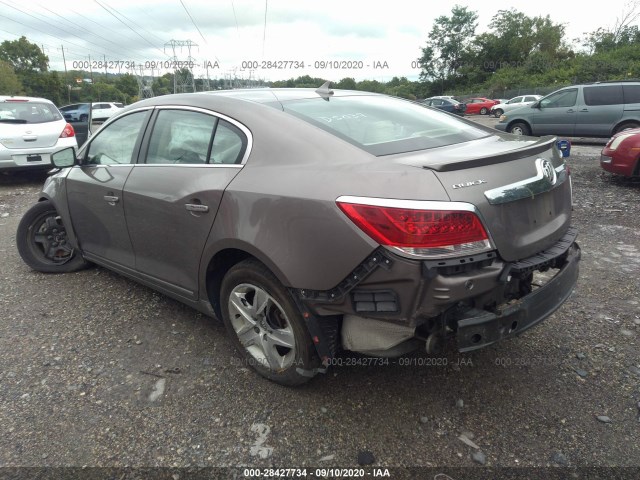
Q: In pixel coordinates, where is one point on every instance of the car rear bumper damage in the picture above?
(391, 305)
(484, 328)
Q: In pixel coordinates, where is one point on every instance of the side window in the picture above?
(181, 136)
(515, 100)
(631, 93)
(437, 103)
(529, 99)
(565, 98)
(116, 143)
(603, 95)
(229, 144)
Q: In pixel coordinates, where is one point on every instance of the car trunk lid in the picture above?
(30, 135)
(520, 188)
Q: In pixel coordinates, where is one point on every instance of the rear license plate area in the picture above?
(34, 158)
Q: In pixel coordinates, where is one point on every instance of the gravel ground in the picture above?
(97, 370)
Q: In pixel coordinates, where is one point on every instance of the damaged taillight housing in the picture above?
(424, 229)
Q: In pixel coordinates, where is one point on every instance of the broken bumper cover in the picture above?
(486, 328)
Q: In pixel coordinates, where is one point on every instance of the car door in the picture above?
(600, 111)
(171, 199)
(556, 113)
(94, 190)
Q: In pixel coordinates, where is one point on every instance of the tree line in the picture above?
(517, 51)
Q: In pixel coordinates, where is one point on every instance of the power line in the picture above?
(264, 31)
(102, 48)
(126, 25)
(193, 21)
(235, 18)
(87, 30)
(134, 23)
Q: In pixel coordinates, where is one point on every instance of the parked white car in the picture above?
(515, 102)
(31, 129)
(100, 111)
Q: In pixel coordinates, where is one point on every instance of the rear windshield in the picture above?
(29, 112)
(384, 125)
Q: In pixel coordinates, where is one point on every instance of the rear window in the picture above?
(603, 95)
(30, 112)
(384, 125)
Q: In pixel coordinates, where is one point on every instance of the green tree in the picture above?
(346, 83)
(449, 44)
(9, 82)
(23, 56)
(127, 84)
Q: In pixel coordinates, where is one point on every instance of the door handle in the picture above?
(571, 110)
(111, 200)
(584, 110)
(196, 207)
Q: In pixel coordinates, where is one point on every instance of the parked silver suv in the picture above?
(595, 110)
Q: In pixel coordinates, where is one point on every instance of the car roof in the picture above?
(16, 98)
(265, 95)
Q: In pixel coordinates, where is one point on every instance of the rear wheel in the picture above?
(484, 111)
(42, 241)
(497, 112)
(265, 325)
(626, 126)
(520, 128)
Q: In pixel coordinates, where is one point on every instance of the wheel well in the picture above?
(218, 267)
(617, 128)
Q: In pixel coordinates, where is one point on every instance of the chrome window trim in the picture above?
(529, 187)
(110, 120)
(213, 113)
(190, 165)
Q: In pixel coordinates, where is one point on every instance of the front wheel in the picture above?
(42, 241)
(497, 112)
(520, 128)
(484, 111)
(265, 325)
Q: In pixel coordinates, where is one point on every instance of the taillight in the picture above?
(424, 229)
(67, 131)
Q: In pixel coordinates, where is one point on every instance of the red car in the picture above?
(621, 153)
(479, 105)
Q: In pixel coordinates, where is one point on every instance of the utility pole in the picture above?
(66, 77)
(106, 75)
(90, 71)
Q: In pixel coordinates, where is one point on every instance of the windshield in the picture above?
(384, 125)
(29, 112)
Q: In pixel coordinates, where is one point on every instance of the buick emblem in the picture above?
(548, 172)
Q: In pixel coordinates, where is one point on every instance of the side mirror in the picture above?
(64, 158)
(536, 104)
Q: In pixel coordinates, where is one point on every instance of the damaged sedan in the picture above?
(312, 221)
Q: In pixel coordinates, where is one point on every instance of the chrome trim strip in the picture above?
(213, 113)
(190, 165)
(410, 204)
(529, 187)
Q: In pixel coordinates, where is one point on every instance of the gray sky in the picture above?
(329, 34)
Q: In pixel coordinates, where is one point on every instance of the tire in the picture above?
(520, 128)
(42, 242)
(497, 112)
(255, 305)
(484, 111)
(626, 126)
